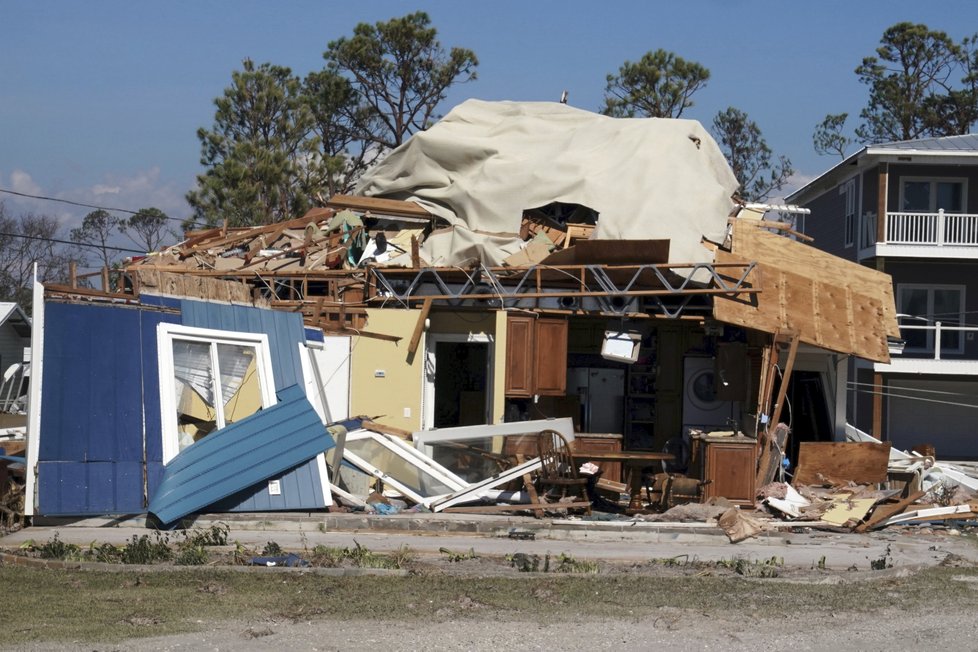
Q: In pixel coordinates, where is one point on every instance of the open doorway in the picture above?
(458, 380)
(458, 391)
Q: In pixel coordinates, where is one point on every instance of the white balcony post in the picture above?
(940, 227)
(937, 340)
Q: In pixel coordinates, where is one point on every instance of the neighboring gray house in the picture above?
(910, 209)
(15, 334)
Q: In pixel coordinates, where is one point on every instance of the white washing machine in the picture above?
(701, 409)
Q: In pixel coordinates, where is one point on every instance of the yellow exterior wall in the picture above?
(384, 381)
(400, 386)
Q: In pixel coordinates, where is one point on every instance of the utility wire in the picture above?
(71, 242)
(75, 203)
(916, 398)
(853, 383)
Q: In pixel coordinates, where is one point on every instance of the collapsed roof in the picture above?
(485, 163)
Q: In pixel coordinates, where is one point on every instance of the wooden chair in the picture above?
(558, 475)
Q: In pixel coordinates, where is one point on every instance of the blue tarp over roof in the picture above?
(236, 457)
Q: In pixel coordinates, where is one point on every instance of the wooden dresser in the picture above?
(730, 464)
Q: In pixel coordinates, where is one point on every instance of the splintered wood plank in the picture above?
(379, 205)
(884, 511)
(754, 243)
(841, 462)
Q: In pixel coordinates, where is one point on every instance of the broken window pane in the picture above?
(196, 381)
(411, 476)
(194, 390)
(240, 389)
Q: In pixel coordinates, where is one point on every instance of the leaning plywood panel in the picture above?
(840, 463)
(243, 454)
(825, 314)
(752, 242)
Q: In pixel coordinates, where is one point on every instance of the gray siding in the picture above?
(826, 223)
(920, 170)
(942, 272)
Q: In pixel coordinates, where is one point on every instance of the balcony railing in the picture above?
(934, 339)
(936, 229)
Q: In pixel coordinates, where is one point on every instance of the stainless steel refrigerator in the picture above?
(602, 397)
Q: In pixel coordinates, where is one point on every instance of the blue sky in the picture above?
(101, 100)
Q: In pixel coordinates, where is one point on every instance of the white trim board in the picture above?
(423, 439)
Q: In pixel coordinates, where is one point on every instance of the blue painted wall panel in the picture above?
(79, 488)
(92, 406)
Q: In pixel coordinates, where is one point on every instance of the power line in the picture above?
(71, 242)
(83, 205)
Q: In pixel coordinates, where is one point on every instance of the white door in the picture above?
(326, 374)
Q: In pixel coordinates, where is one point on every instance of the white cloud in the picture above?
(20, 181)
(99, 189)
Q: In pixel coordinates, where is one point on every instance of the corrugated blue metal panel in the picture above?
(72, 488)
(241, 455)
(91, 409)
(300, 488)
(284, 330)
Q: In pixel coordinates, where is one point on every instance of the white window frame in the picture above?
(848, 192)
(933, 192)
(165, 336)
(931, 343)
(408, 454)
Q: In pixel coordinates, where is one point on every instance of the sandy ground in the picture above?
(669, 630)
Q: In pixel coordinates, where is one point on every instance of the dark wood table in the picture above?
(633, 462)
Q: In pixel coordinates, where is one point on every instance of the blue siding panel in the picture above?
(301, 488)
(78, 488)
(240, 456)
(91, 409)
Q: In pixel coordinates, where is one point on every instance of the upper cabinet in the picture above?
(536, 356)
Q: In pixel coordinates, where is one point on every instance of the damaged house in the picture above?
(515, 262)
(909, 208)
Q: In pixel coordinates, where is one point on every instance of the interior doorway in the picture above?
(458, 381)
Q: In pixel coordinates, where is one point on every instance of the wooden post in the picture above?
(415, 253)
(105, 279)
(73, 274)
(881, 202)
(785, 377)
(878, 406)
(419, 327)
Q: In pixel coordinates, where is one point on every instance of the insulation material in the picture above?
(485, 163)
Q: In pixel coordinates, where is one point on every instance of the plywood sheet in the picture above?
(754, 243)
(825, 314)
(841, 462)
